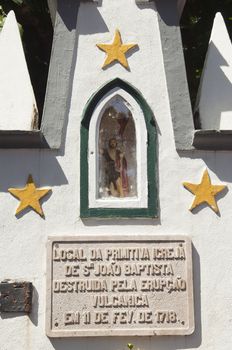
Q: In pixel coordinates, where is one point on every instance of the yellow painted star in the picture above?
(205, 192)
(29, 196)
(116, 51)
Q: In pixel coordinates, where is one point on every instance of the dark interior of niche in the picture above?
(37, 34)
(196, 25)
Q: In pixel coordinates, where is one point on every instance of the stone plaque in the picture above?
(119, 286)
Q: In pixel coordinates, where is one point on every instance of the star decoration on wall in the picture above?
(29, 196)
(116, 51)
(204, 192)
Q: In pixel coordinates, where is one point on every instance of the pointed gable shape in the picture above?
(215, 102)
(18, 109)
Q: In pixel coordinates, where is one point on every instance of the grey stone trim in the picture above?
(213, 140)
(181, 111)
(142, 1)
(22, 139)
(52, 4)
(59, 77)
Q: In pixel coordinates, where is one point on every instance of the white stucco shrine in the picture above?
(115, 215)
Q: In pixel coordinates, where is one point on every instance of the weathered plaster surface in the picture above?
(60, 73)
(181, 111)
(23, 240)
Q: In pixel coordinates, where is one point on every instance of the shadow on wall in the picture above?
(146, 5)
(219, 163)
(145, 343)
(95, 23)
(35, 307)
(43, 166)
(168, 11)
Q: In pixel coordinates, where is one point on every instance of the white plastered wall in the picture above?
(23, 240)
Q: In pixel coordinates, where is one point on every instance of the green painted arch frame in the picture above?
(152, 210)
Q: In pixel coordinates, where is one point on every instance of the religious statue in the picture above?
(116, 179)
(116, 156)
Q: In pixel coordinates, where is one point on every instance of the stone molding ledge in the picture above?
(213, 140)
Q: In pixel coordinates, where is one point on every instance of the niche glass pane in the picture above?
(116, 160)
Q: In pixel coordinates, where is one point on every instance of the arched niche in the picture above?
(118, 154)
